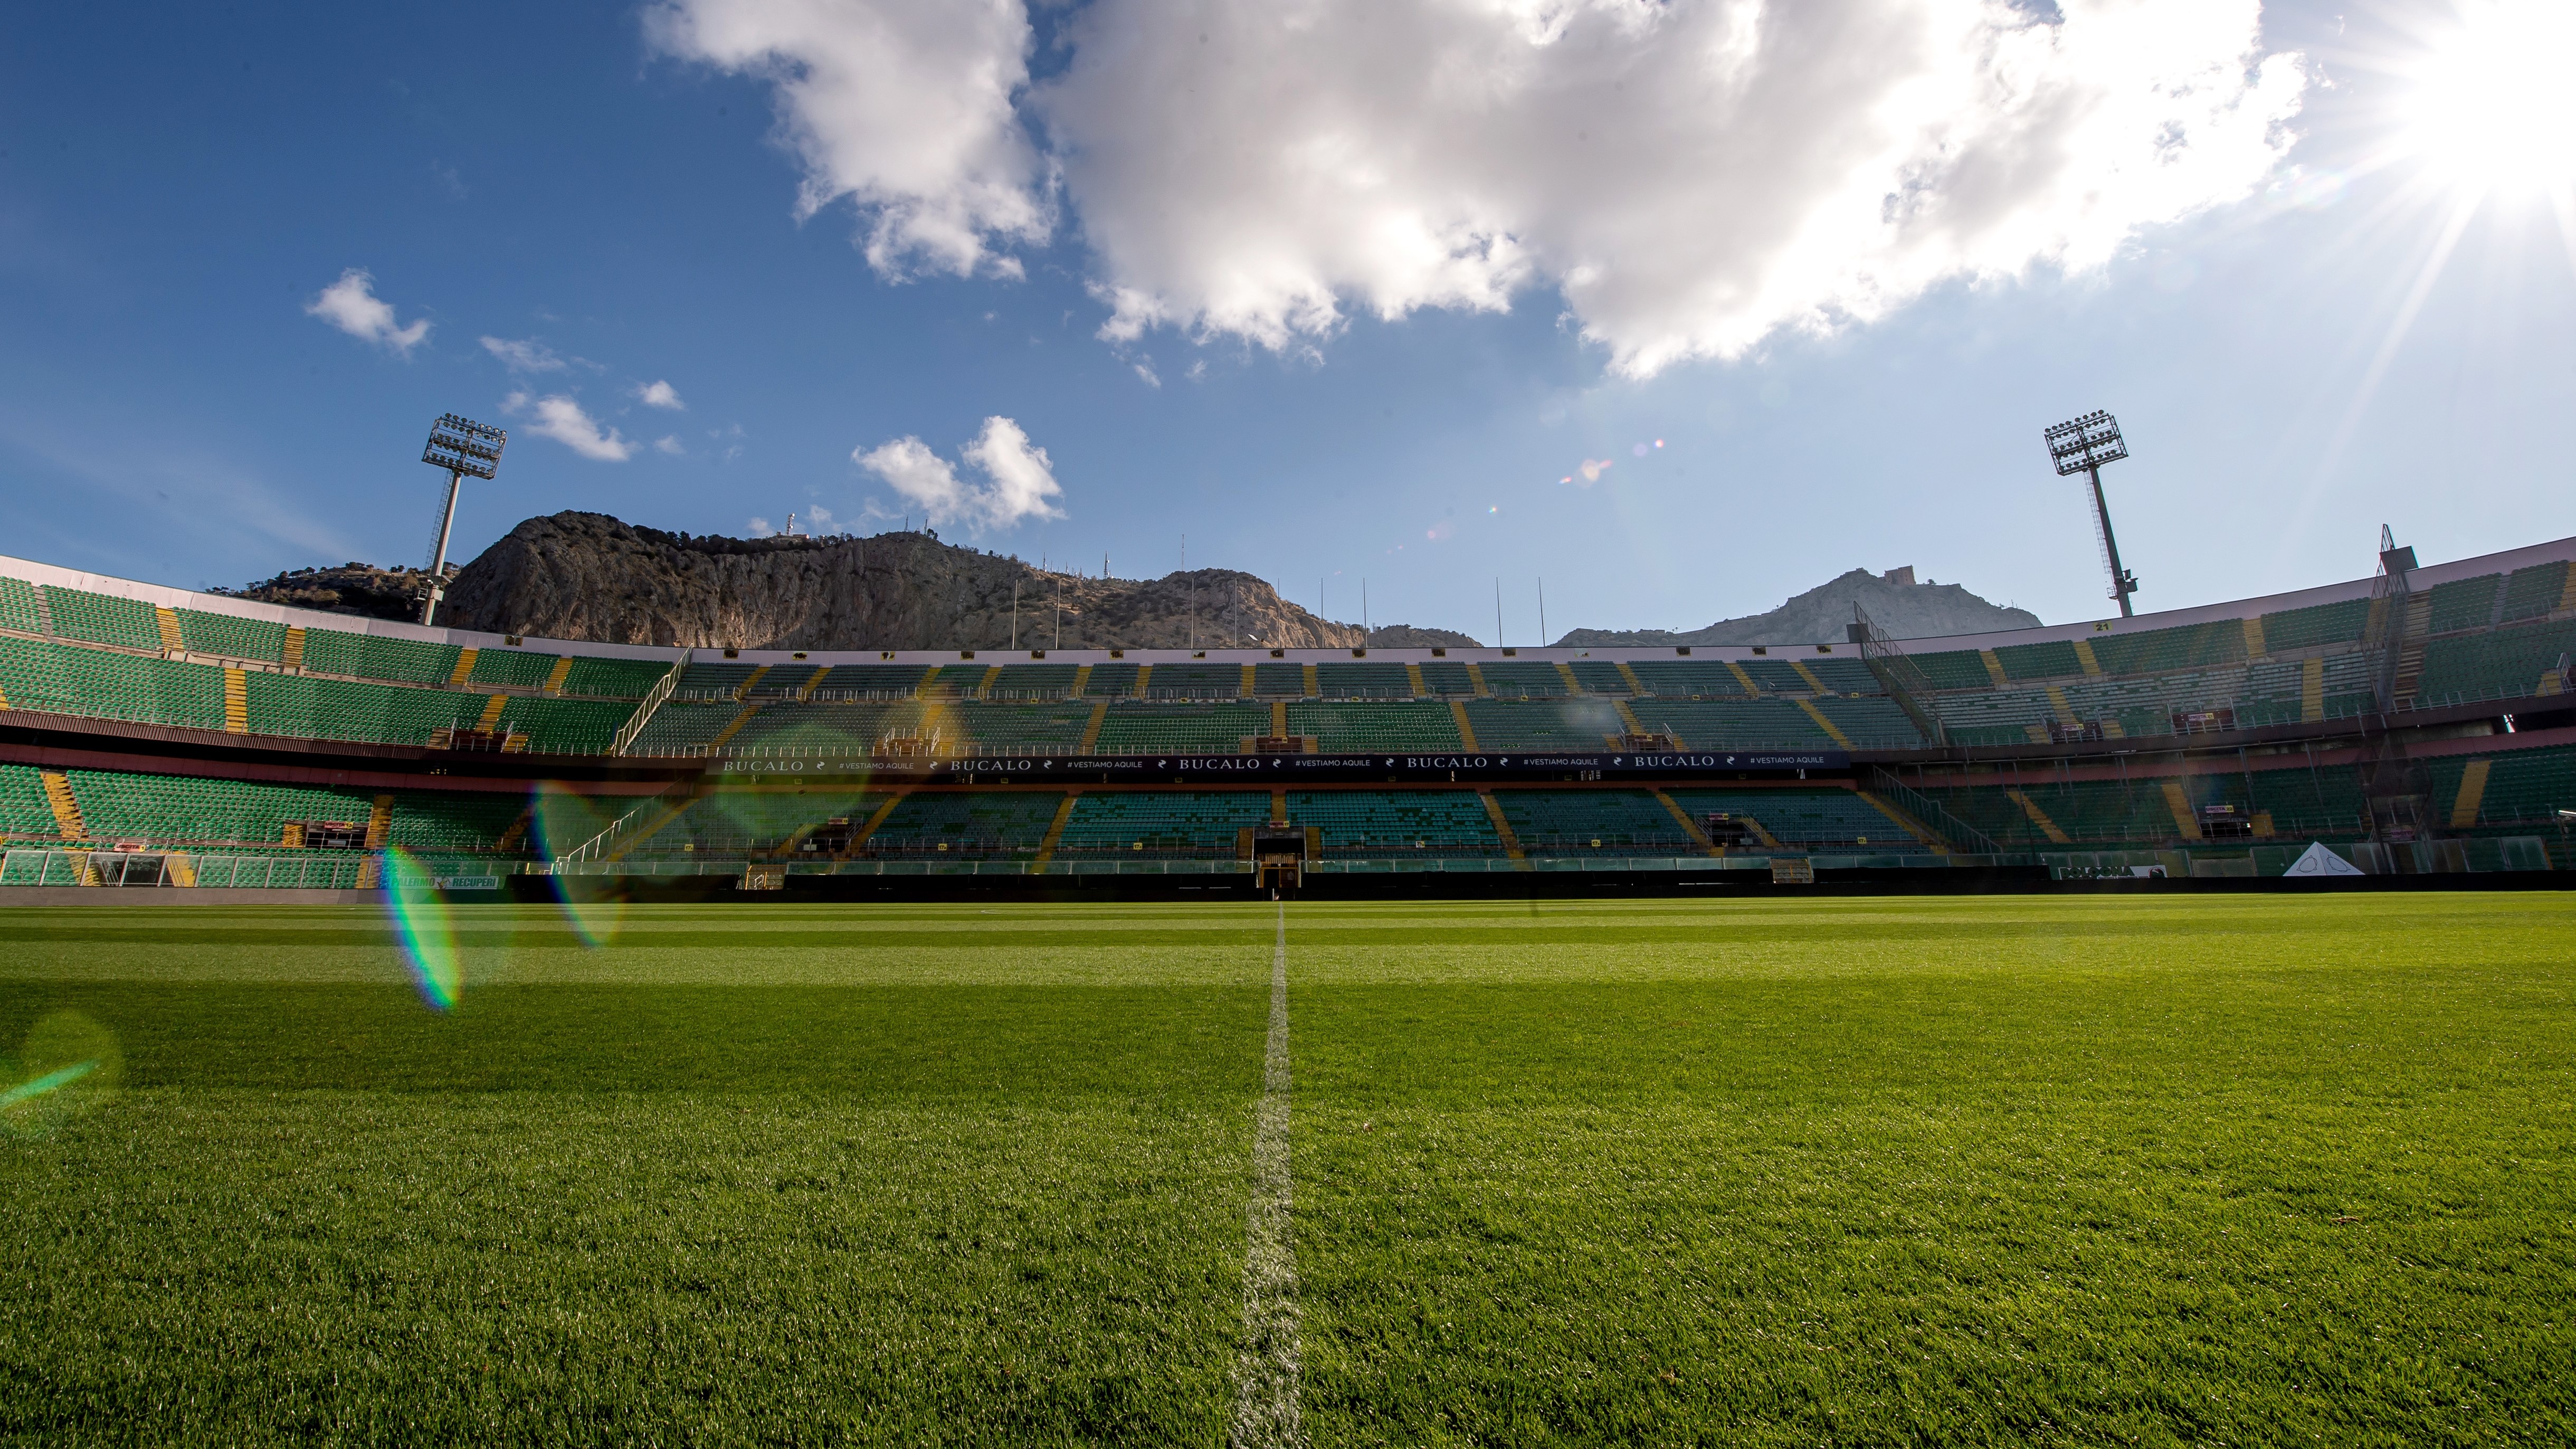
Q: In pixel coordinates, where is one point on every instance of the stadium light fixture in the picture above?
(2083, 446)
(461, 446)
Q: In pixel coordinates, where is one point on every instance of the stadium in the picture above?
(1030, 951)
(2408, 722)
(1871, 1038)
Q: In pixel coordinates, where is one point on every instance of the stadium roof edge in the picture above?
(2558, 550)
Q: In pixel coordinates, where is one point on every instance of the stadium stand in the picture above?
(1009, 825)
(1365, 681)
(1161, 825)
(2032, 722)
(369, 656)
(1198, 729)
(103, 619)
(1397, 824)
(1806, 819)
(527, 668)
(25, 814)
(1582, 822)
(230, 637)
(596, 678)
(1342, 725)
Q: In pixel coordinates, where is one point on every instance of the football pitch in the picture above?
(2168, 1170)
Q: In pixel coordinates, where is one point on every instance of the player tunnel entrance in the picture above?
(1277, 854)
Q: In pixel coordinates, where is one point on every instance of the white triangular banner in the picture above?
(2320, 861)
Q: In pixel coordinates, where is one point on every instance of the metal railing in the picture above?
(653, 699)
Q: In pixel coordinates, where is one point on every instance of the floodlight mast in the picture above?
(2083, 446)
(461, 446)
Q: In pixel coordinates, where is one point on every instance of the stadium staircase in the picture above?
(1831, 730)
(1692, 828)
(66, 809)
(2471, 794)
(2039, 817)
(1503, 829)
(1466, 731)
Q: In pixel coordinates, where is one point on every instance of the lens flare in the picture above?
(48, 1082)
(421, 921)
(577, 834)
(69, 1065)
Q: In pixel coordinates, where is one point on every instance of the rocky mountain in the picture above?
(590, 576)
(352, 588)
(1900, 607)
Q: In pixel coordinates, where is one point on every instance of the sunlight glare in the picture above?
(2491, 107)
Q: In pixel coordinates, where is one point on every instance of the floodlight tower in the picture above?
(2083, 446)
(461, 446)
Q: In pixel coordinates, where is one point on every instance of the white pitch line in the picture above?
(1265, 1373)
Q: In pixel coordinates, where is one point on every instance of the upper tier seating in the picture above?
(1359, 680)
(1114, 680)
(1514, 679)
(2534, 591)
(1279, 681)
(1447, 679)
(1562, 724)
(232, 637)
(503, 665)
(2471, 603)
(1687, 679)
(1953, 669)
(2055, 659)
(2161, 651)
(19, 606)
(103, 619)
(1396, 725)
(861, 680)
(102, 684)
(2315, 625)
(709, 679)
(613, 678)
(1200, 729)
(1719, 724)
(1844, 675)
(1195, 681)
(2504, 663)
(370, 656)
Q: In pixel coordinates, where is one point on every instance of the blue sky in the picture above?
(611, 194)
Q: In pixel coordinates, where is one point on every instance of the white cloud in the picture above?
(1688, 175)
(526, 355)
(1018, 481)
(761, 528)
(351, 305)
(670, 444)
(1145, 369)
(661, 395)
(559, 417)
(903, 106)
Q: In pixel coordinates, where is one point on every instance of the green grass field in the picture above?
(2222, 1169)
